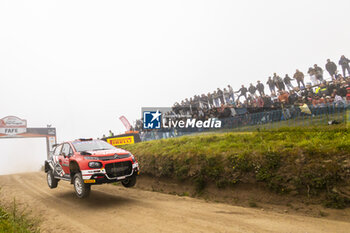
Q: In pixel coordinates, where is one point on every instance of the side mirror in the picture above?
(64, 155)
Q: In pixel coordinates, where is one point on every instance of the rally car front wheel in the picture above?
(129, 182)
(52, 182)
(82, 190)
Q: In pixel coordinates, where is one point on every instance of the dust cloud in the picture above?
(18, 155)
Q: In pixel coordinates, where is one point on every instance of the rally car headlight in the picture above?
(95, 164)
(132, 157)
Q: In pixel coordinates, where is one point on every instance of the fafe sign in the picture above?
(12, 125)
(15, 127)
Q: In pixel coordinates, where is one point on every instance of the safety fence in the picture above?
(292, 116)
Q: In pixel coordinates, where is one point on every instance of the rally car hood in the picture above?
(108, 152)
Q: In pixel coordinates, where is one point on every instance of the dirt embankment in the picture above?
(311, 163)
(116, 209)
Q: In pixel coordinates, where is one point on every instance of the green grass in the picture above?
(300, 121)
(16, 221)
(308, 160)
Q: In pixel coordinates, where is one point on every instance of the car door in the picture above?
(57, 160)
(64, 158)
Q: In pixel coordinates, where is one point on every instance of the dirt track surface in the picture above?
(116, 209)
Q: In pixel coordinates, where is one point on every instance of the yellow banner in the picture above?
(121, 140)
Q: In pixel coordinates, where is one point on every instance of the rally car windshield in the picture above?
(92, 145)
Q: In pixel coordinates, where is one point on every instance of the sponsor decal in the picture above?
(89, 181)
(121, 140)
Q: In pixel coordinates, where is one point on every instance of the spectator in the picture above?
(318, 73)
(312, 75)
(227, 96)
(221, 95)
(216, 99)
(111, 134)
(280, 84)
(243, 90)
(260, 102)
(299, 76)
(230, 90)
(322, 90)
(271, 84)
(344, 63)
(260, 87)
(274, 97)
(293, 97)
(210, 100)
(275, 81)
(283, 97)
(331, 67)
(204, 101)
(289, 103)
(338, 100)
(287, 80)
(267, 101)
(252, 89)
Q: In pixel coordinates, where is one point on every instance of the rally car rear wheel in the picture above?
(82, 190)
(52, 182)
(129, 182)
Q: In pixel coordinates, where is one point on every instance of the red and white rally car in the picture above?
(87, 162)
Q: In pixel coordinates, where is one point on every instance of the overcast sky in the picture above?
(80, 65)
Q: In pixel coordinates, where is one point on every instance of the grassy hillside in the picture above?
(16, 221)
(313, 162)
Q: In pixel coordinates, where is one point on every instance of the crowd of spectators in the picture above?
(284, 92)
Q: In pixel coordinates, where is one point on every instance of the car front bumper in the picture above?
(97, 174)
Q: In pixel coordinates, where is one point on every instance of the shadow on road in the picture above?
(97, 199)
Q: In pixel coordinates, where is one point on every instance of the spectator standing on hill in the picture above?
(280, 84)
(221, 95)
(318, 73)
(313, 78)
(299, 76)
(204, 101)
(111, 134)
(344, 63)
(210, 100)
(260, 87)
(252, 89)
(216, 99)
(275, 81)
(230, 90)
(227, 96)
(287, 80)
(331, 67)
(243, 92)
(271, 84)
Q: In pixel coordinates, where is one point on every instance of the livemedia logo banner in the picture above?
(155, 118)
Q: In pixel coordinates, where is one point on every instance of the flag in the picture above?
(125, 122)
